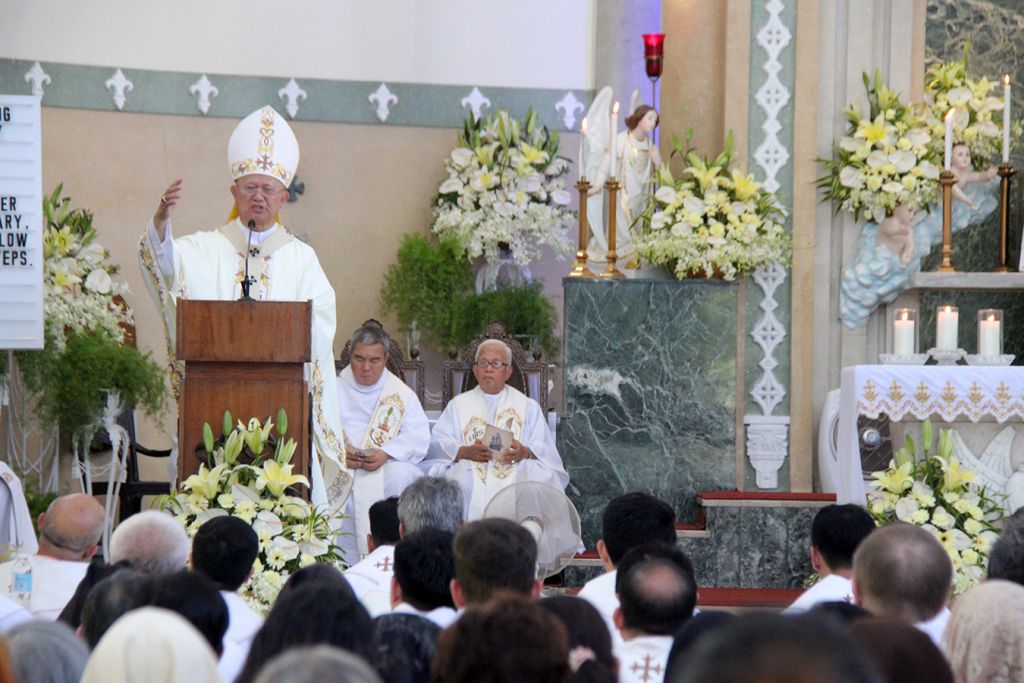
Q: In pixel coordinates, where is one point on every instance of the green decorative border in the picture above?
(167, 92)
(783, 295)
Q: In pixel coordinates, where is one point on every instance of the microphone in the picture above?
(246, 283)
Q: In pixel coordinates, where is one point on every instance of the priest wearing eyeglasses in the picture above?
(263, 156)
(459, 452)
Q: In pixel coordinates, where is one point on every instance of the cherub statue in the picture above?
(886, 262)
(974, 196)
(636, 159)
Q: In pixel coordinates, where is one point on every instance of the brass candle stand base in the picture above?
(579, 266)
(611, 272)
(947, 180)
(1005, 173)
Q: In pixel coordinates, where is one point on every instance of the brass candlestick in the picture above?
(1005, 173)
(611, 272)
(947, 180)
(579, 266)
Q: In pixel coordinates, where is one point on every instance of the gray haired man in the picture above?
(386, 430)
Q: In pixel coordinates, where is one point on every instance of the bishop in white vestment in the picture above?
(263, 155)
(457, 450)
(386, 431)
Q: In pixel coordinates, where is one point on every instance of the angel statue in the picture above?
(974, 195)
(636, 160)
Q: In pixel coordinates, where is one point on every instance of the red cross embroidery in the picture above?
(647, 672)
(387, 564)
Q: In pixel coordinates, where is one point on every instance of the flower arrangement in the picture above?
(249, 475)
(935, 492)
(85, 322)
(887, 158)
(504, 187)
(947, 86)
(713, 219)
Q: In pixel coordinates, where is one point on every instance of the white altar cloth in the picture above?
(949, 391)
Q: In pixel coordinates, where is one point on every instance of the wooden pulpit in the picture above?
(247, 357)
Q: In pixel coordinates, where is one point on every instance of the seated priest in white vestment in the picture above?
(387, 433)
(263, 156)
(458, 451)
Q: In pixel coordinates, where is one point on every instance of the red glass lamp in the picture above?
(654, 60)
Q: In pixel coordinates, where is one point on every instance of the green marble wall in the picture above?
(993, 29)
(650, 392)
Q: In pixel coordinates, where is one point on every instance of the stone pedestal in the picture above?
(650, 392)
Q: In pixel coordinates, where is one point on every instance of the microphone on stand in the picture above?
(248, 250)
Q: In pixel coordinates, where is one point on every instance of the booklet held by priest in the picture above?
(498, 440)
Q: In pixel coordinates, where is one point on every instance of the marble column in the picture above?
(650, 392)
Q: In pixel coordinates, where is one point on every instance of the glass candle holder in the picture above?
(990, 332)
(904, 332)
(947, 320)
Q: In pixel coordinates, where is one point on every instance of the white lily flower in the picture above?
(560, 197)
(289, 548)
(451, 185)
(98, 281)
(877, 159)
(462, 156)
(665, 194)
(694, 205)
(958, 97)
(849, 177)
(903, 160)
(267, 522)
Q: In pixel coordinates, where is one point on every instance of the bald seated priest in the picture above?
(263, 156)
(386, 431)
(458, 450)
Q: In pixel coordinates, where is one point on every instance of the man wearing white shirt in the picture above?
(629, 520)
(224, 550)
(424, 568)
(69, 535)
(263, 157)
(902, 571)
(370, 578)
(457, 450)
(386, 431)
(836, 532)
(657, 594)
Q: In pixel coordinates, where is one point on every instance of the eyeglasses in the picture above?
(496, 364)
(265, 190)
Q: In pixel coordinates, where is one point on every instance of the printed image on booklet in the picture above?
(498, 440)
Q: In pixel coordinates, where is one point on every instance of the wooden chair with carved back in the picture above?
(529, 375)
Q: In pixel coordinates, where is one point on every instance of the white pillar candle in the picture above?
(948, 158)
(612, 147)
(946, 328)
(1006, 119)
(583, 142)
(989, 334)
(903, 336)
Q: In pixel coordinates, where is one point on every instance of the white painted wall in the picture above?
(524, 43)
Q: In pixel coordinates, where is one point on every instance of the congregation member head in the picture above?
(152, 541)
(405, 647)
(424, 569)
(836, 532)
(901, 570)
(900, 652)
(312, 614)
(317, 664)
(657, 591)
(383, 523)
(510, 638)
(492, 555)
(591, 659)
(45, 652)
(112, 598)
(985, 637)
(1006, 559)
(152, 644)
(71, 528)
(772, 648)
(223, 550)
(196, 598)
(634, 519)
(431, 503)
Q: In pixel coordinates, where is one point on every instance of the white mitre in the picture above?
(264, 144)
